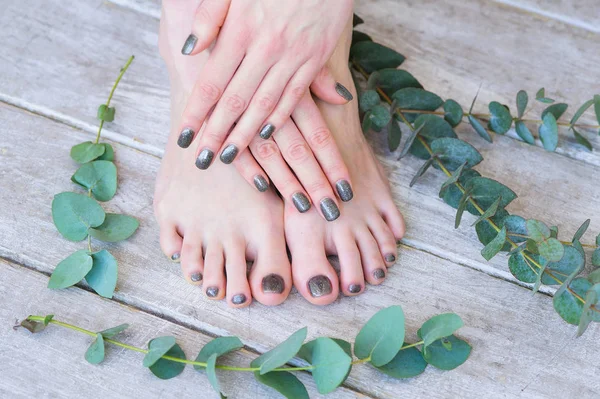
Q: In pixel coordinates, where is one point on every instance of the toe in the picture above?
(351, 272)
(192, 263)
(238, 289)
(372, 261)
(271, 276)
(385, 240)
(170, 242)
(394, 219)
(214, 272)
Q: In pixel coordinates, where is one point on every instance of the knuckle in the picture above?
(320, 137)
(317, 186)
(235, 103)
(265, 102)
(298, 151)
(203, 15)
(208, 92)
(266, 150)
(297, 92)
(212, 137)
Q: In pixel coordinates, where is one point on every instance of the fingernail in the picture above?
(329, 209)
(261, 183)
(344, 190)
(212, 292)
(238, 299)
(379, 274)
(228, 154)
(342, 91)
(195, 277)
(189, 45)
(204, 159)
(390, 258)
(354, 288)
(175, 257)
(273, 283)
(185, 138)
(266, 131)
(319, 286)
(301, 202)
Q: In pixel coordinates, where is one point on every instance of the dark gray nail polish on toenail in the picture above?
(342, 91)
(238, 299)
(185, 138)
(390, 258)
(175, 256)
(266, 131)
(229, 153)
(319, 286)
(329, 209)
(204, 159)
(301, 202)
(195, 277)
(354, 288)
(189, 44)
(273, 283)
(212, 292)
(379, 274)
(344, 190)
(261, 183)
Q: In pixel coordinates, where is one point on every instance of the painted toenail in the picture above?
(266, 131)
(301, 202)
(175, 257)
(189, 44)
(229, 153)
(379, 274)
(342, 91)
(319, 286)
(204, 159)
(185, 138)
(273, 283)
(344, 190)
(354, 288)
(238, 299)
(195, 277)
(329, 209)
(212, 292)
(390, 258)
(261, 183)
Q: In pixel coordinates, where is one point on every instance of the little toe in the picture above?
(238, 289)
(271, 276)
(170, 242)
(214, 272)
(385, 240)
(192, 263)
(373, 264)
(351, 271)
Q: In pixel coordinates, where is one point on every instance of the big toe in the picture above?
(271, 276)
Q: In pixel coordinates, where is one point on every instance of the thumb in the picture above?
(208, 19)
(329, 90)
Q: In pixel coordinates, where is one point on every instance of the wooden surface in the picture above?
(57, 63)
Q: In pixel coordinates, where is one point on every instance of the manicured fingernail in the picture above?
(266, 131)
(261, 183)
(204, 159)
(228, 154)
(379, 274)
(390, 258)
(329, 209)
(319, 286)
(273, 283)
(185, 138)
(238, 299)
(354, 288)
(189, 45)
(175, 257)
(195, 277)
(344, 190)
(212, 292)
(342, 91)
(301, 202)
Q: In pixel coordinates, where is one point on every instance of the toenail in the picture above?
(204, 159)
(238, 299)
(273, 283)
(185, 138)
(354, 288)
(301, 202)
(390, 258)
(379, 274)
(189, 44)
(266, 131)
(319, 286)
(329, 209)
(175, 257)
(342, 91)
(228, 154)
(344, 190)
(195, 277)
(261, 183)
(212, 292)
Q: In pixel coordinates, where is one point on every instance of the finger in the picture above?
(298, 156)
(328, 89)
(251, 171)
(208, 19)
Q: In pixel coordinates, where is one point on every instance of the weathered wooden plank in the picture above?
(519, 342)
(51, 364)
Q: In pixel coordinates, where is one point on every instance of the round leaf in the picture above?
(282, 353)
(549, 132)
(360, 37)
(447, 353)
(95, 353)
(416, 99)
(167, 369)
(157, 348)
(368, 99)
(431, 127)
(406, 364)
(551, 249)
(71, 270)
(571, 260)
(100, 177)
(500, 118)
(115, 228)
(440, 326)
(219, 346)
(567, 305)
(453, 112)
(451, 194)
(211, 373)
(537, 230)
(111, 332)
(495, 245)
(524, 132)
(486, 191)
(331, 365)
(87, 151)
(109, 153)
(285, 383)
(74, 214)
(380, 117)
(381, 337)
(486, 233)
(103, 276)
(454, 152)
(556, 109)
(519, 268)
(373, 56)
(391, 80)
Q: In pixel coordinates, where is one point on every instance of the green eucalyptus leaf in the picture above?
(406, 364)
(98, 176)
(588, 314)
(73, 214)
(486, 191)
(410, 140)
(211, 374)
(447, 353)
(106, 113)
(541, 96)
(481, 131)
(331, 364)
(109, 153)
(368, 99)
(582, 140)
(103, 275)
(531, 246)
(521, 268)
(430, 127)
(597, 107)
(219, 346)
(538, 278)
(566, 304)
(373, 56)
(48, 319)
(380, 116)
(596, 257)
(381, 337)
(421, 171)
(71, 270)
(524, 132)
(522, 100)
(116, 227)
(412, 98)
(454, 176)
(454, 152)
(551, 249)
(571, 261)
(594, 277)
(366, 123)
(285, 383)
(95, 353)
(360, 37)
(556, 109)
(462, 205)
(581, 111)
(598, 239)
(518, 249)
(306, 350)
(394, 135)
(494, 246)
(452, 194)
(581, 230)
(489, 212)
(516, 225)
(486, 232)
(537, 230)
(87, 151)
(548, 132)
(439, 326)
(158, 347)
(553, 231)
(500, 118)
(111, 332)
(282, 353)
(167, 369)
(453, 112)
(391, 80)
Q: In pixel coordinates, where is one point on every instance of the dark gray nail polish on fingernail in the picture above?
(344, 190)
(261, 183)
(195, 277)
(175, 257)
(212, 292)
(189, 44)
(301, 202)
(390, 258)
(266, 131)
(354, 288)
(329, 209)
(273, 283)
(342, 91)
(238, 299)
(204, 159)
(185, 138)
(379, 274)
(229, 154)
(319, 286)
